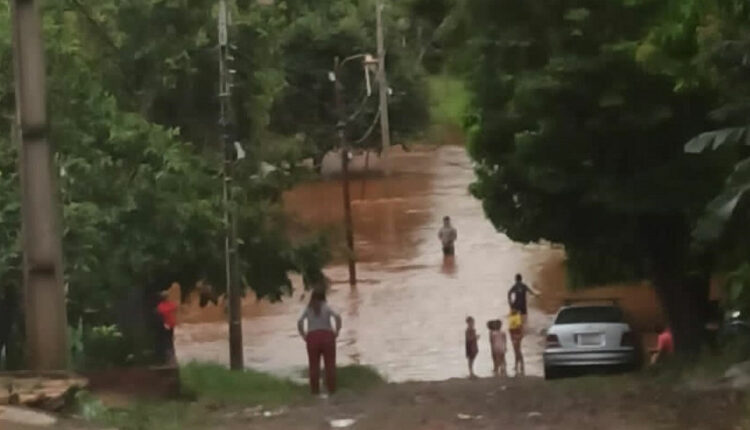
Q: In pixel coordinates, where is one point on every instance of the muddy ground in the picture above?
(610, 403)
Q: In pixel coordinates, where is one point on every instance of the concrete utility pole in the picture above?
(44, 295)
(344, 143)
(234, 293)
(385, 130)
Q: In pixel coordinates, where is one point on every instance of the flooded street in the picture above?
(406, 316)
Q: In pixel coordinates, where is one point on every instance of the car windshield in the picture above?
(589, 314)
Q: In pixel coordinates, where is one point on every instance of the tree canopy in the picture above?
(133, 118)
(578, 136)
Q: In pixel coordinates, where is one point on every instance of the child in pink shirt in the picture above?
(498, 346)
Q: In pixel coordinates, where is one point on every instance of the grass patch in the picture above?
(217, 383)
(359, 378)
(449, 100)
(142, 415)
(353, 378)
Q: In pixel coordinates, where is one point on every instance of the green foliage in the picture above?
(133, 120)
(219, 384)
(133, 117)
(359, 378)
(317, 33)
(449, 100)
(105, 346)
(580, 114)
(722, 47)
(576, 143)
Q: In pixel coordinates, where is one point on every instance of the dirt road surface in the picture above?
(610, 403)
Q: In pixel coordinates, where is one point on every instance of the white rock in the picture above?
(342, 423)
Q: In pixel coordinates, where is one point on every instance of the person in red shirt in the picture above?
(167, 311)
(664, 346)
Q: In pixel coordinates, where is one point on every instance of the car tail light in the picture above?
(627, 339)
(553, 341)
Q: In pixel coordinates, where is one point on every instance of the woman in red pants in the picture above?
(321, 340)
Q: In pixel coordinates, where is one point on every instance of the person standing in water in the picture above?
(320, 338)
(517, 297)
(515, 325)
(498, 346)
(448, 236)
(472, 345)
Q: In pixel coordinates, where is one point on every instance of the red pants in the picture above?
(321, 343)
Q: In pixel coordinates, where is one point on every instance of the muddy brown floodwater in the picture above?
(406, 316)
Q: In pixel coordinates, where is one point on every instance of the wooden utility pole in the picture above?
(383, 91)
(234, 288)
(341, 130)
(44, 295)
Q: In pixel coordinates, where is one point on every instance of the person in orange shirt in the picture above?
(167, 311)
(664, 346)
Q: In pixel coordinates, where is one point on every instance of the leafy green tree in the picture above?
(316, 34)
(721, 59)
(141, 204)
(578, 143)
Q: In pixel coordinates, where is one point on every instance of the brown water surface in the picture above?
(406, 317)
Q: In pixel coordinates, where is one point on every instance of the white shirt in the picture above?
(448, 235)
(321, 321)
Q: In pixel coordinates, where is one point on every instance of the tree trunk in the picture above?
(685, 301)
(680, 278)
(7, 316)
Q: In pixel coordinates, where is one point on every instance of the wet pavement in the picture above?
(406, 316)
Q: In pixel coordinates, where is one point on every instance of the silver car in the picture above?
(589, 335)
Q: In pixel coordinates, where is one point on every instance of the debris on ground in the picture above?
(532, 415)
(468, 417)
(342, 423)
(274, 413)
(261, 412)
(48, 392)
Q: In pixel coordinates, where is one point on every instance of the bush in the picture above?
(105, 346)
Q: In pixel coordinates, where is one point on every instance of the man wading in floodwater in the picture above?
(517, 297)
(448, 236)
